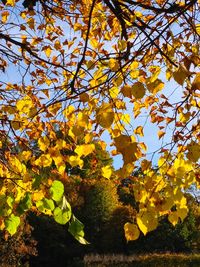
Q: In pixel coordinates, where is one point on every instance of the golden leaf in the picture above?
(138, 90)
(131, 232)
(47, 51)
(84, 150)
(198, 28)
(173, 218)
(139, 131)
(147, 221)
(161, 134)
(156, 86)
(106, 172)
(127, 91)
(196, 82)
(193, 151)
(113, 64)
(181, 74)
(44, 160)
(105, 115)
(84, 97)
(4, 16)
(134, 65)
(31, 23)
(10, 2)
(43, 143)
(24, 105)
(182, 212)
(75, 161)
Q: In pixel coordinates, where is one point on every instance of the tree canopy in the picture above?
(82, 68)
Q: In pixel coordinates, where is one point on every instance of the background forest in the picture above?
(103, 206)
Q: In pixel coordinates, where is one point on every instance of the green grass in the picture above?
(148, 260)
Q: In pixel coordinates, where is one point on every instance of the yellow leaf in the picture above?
(193, 151)
(68, 112)
(16, 165)
(38, 196)
(122, 44)
(60, 165)
(147, 221)
(182, 212)
(173, 218)
(88, 138)
(10, 2)
(161, 134)
(105, 115)
(57, 45)
(138, 90)
(16, 125)
(48, 51)
(127, 148)
(145, 165)
(134, 74)
(43, 143)
(106, 172)
(4, 16)
(75, 161)
(139, 131)
(24, 105)
(94, 43)
(76, 131)
(131, 232)
(113, 64)
(84, 150)
(26, 155)
(78, 26)
(198, 28)
(140, 194)
(48, 82)
(55, 108)
(44, 161)
(143, 146)
(184, 117)
(82, 120)
(134, 65)
(180, 75)
(155, 70)
(181, 166)
(114, 91)
(31, 23)
(156, 86)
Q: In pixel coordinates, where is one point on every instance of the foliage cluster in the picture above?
(90, 67)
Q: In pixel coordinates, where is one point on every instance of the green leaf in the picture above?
(12, 223)
(65, 204)
(57, 190)
(45, 204)
(10, 201)
(62, 216)
(24, 204)
(76, 229)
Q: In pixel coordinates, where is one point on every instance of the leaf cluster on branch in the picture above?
(85, 68)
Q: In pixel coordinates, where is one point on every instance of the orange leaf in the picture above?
(161, 134)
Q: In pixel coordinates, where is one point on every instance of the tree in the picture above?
(89, 67)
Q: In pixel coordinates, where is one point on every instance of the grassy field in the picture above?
(149, 260)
